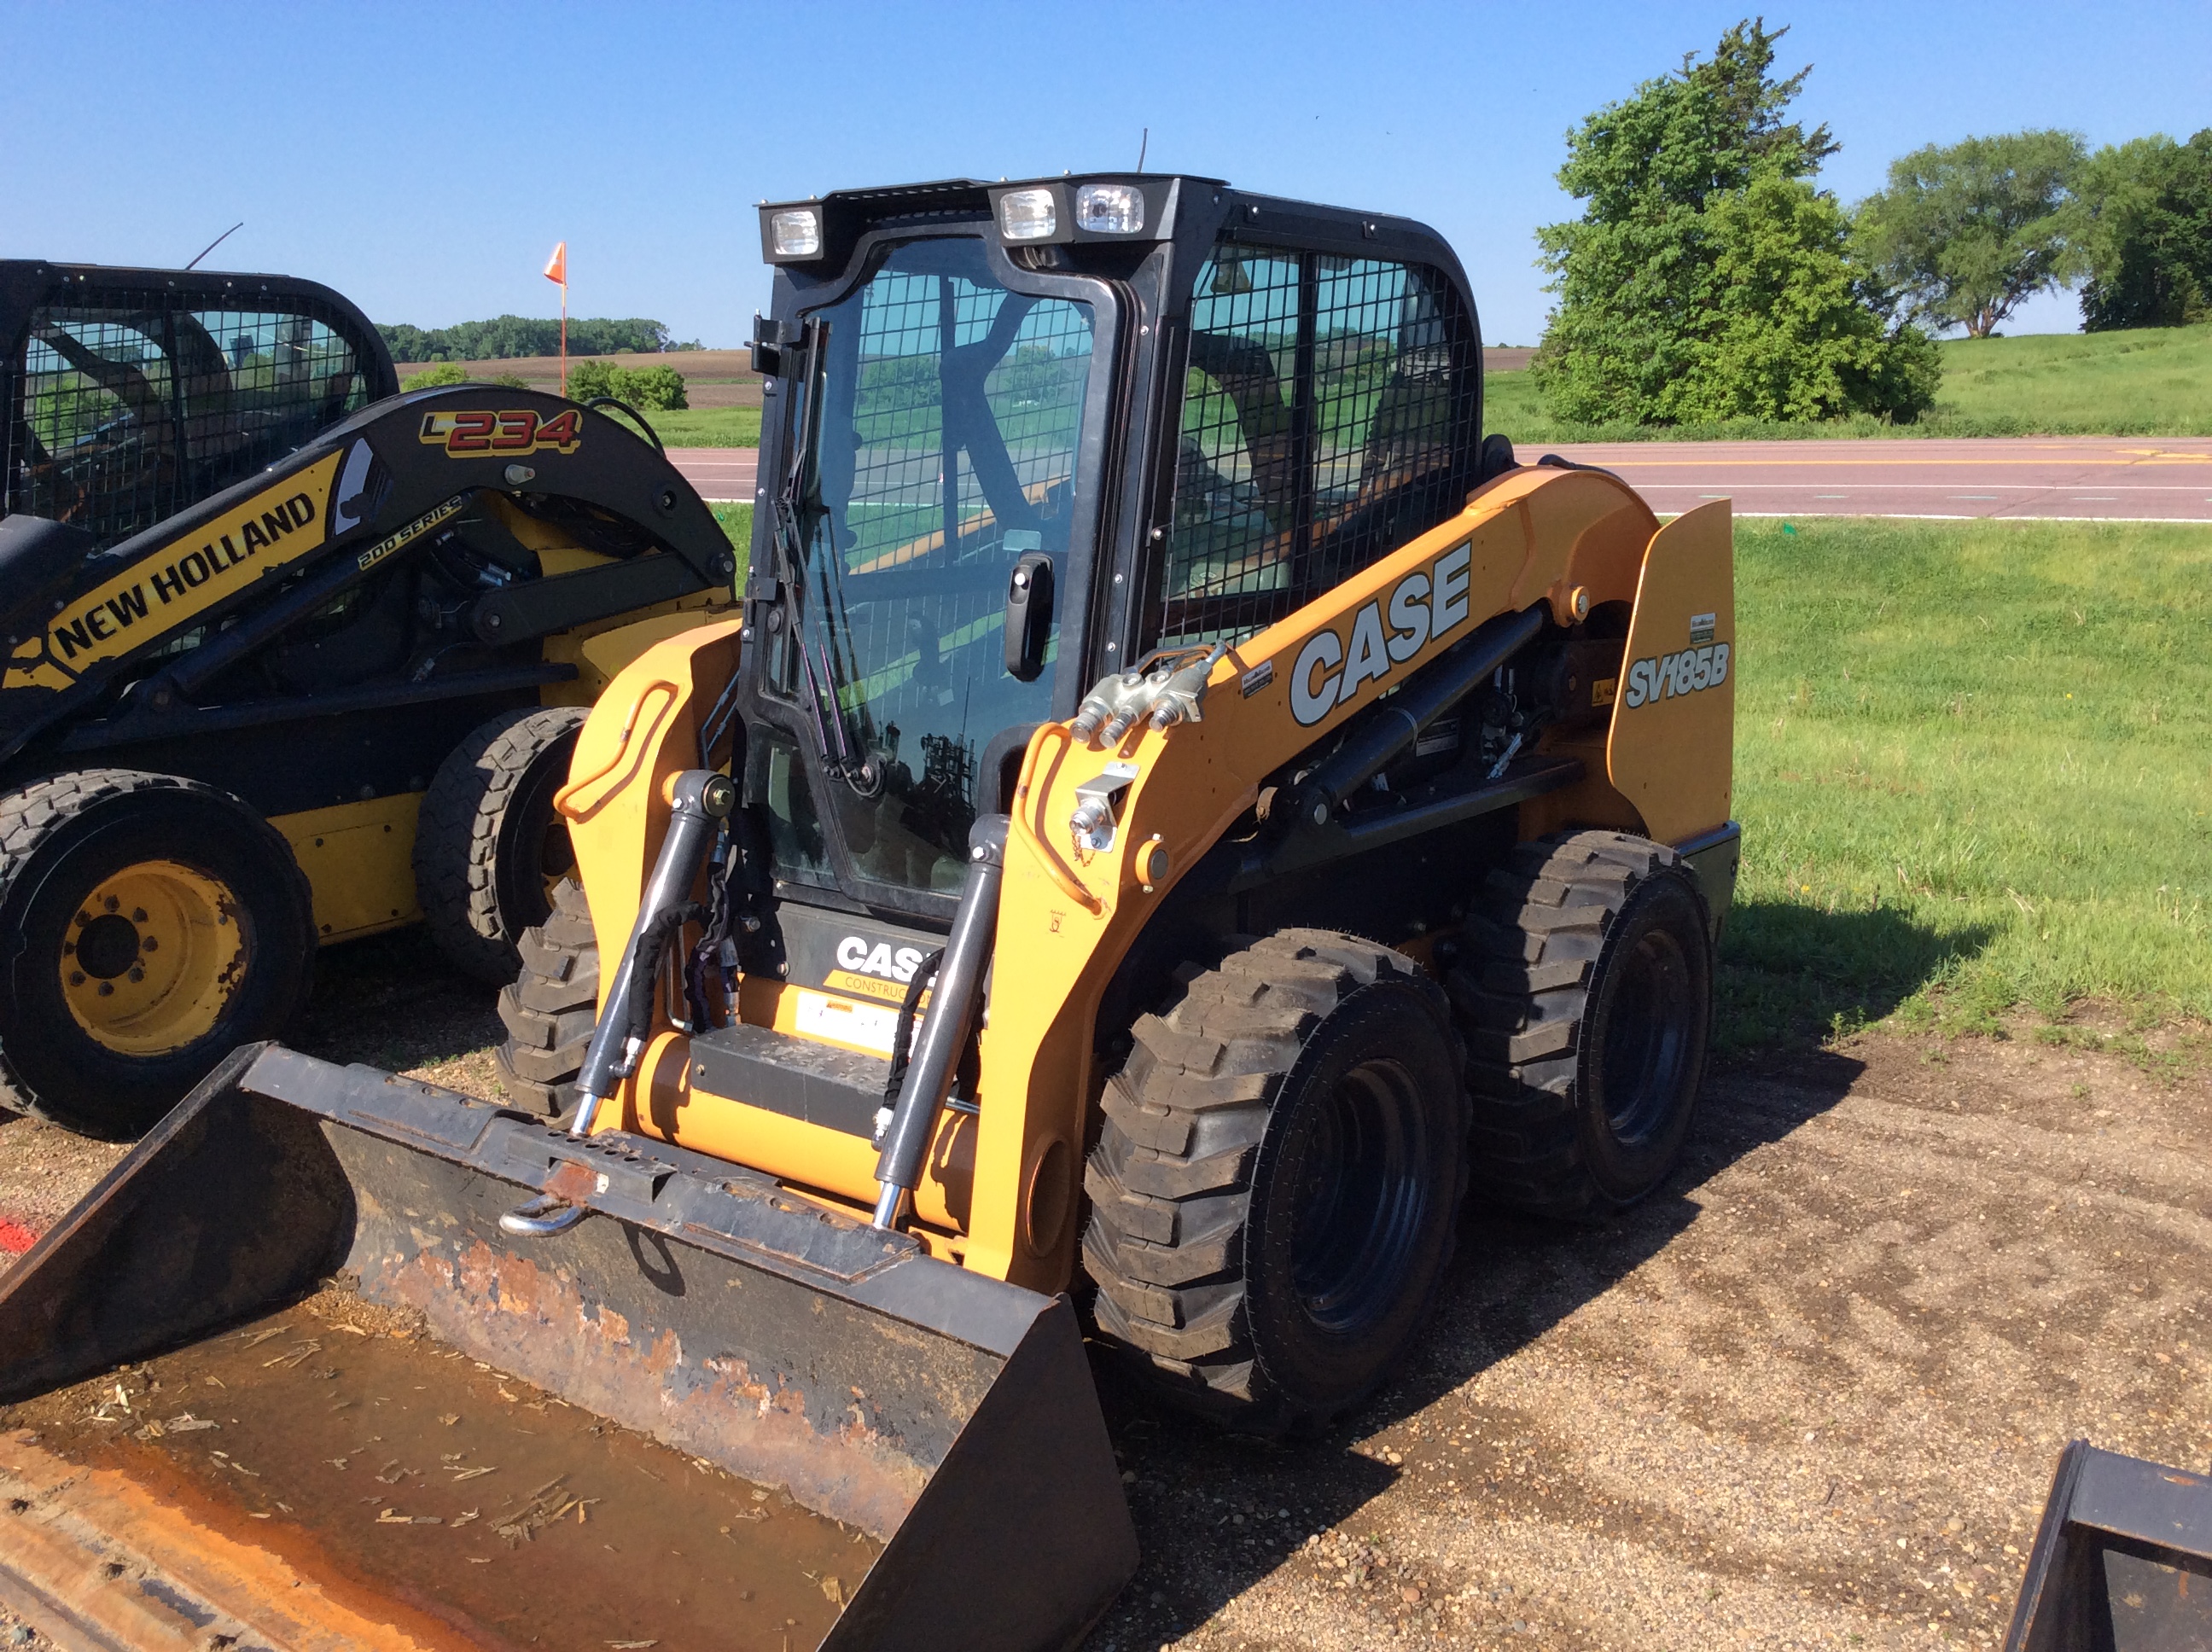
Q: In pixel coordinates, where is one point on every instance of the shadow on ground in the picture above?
(393, 1001)
(1514, 1279)
(1791, 974)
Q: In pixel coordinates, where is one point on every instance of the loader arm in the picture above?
(161, 613)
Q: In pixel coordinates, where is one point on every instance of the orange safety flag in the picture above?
(556, 267)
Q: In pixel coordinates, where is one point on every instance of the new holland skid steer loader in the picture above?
(1177, 809)
(291, 659)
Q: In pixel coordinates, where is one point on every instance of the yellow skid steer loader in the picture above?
(1177, 808)
(291, 658)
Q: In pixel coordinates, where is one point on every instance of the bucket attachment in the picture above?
(2123, 1561)
(946, 1414)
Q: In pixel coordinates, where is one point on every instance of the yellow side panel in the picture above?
(359, 862)
(600, 652)
(1672, 749)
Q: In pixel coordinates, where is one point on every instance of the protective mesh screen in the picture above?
(1329, 415)
(131, 410)
(951, 412)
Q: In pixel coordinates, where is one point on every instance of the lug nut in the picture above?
(149, 944)
(76, 977)
(107, 989)
(137, 915)
(137, 973)
(111, 903)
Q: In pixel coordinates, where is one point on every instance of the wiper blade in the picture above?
(790, 540)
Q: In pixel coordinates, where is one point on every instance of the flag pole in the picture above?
(556, 271)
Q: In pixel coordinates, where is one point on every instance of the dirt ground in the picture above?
(1808, 1395)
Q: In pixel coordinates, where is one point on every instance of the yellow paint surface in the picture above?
(359, 862)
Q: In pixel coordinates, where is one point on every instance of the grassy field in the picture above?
(1974, 770)
(708, 426)
(2151, 381)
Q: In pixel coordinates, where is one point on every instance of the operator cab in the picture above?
(1023, 434)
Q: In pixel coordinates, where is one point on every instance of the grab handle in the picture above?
(564, 799)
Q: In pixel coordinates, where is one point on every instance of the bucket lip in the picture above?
(729, 1210)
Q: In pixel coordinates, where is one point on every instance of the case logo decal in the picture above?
(1422, 608)
(466, 434)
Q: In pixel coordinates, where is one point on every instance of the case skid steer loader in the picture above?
(1177, 809)
(290, 659)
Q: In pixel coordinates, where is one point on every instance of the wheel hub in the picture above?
(153, 957)
(1358, 1206)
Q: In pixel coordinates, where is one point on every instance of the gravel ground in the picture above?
(1808, 1395)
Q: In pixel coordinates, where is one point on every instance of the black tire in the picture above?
(1587, 998)
(550, 1007)
(488, 846)
(1277, 1182)
(102, 1031)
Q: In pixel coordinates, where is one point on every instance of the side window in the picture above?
(97, 445)
(256, 385)
(132, 410)
(1236, 492)
(1326, 408)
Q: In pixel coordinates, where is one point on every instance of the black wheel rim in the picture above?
(1359, 1197)
(535, 853)
(1646, 1034)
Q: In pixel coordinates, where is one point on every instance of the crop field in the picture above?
(1948, 1202)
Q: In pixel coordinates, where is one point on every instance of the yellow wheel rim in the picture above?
(153, 957)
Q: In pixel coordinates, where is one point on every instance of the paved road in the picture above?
(719, 473)
(2124, 478)
(2079, 478)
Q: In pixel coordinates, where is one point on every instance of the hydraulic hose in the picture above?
(952, 1005)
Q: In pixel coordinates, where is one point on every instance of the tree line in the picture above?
(1710, 278)
(504, 338)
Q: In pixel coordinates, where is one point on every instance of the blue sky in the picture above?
(425, 159)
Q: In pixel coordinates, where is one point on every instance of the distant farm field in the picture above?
(2149, 381)
(1974, 771)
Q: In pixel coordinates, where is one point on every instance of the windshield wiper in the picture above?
(791, 541)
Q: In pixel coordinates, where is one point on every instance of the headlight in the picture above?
(1107, 209)
(1027, 215)
(795, 233)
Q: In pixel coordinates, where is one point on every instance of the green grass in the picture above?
(708, 426)
(2149, 381)
(1974, 771)
(737, 522)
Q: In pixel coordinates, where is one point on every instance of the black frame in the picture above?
(1140, 287)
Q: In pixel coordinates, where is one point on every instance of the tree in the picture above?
(2145, 228)
(508, 336)
(1707, 277)
(1970, 231)
(651, 390)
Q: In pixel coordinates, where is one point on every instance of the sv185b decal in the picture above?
(1671, 674)
(466, 434)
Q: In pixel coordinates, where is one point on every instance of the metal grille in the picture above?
(952, 414)
(1329, 415)
(129, 412)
